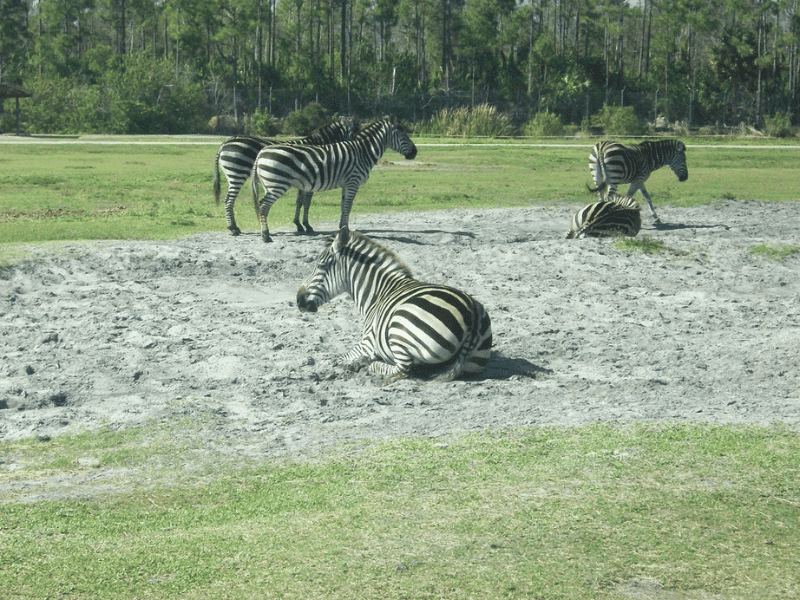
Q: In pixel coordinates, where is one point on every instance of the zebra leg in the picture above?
(359, 357)
(306, 206)
(263, 212)
(304, 201)
(392, 372)
(230, 198)
(646, 197)
(348, 193)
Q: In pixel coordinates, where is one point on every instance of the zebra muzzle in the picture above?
(304, 303)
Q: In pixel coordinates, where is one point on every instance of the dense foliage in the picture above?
(175, 66)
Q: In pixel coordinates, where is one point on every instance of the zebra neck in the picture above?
(385, 286)
(656, 156)
(374, 145)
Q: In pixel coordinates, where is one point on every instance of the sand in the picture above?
(119, 334)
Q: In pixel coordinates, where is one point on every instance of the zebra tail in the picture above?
(456, 366)
(600, 188)
(216, 178)
(254, 185)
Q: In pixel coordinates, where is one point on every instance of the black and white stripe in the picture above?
(310, 169)
(612, 164)
(411, 328)
(237, 154)
(618, 215)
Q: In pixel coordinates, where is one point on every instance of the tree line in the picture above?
(184, 66)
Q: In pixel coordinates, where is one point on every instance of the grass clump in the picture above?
(645, 244)
(483, 120)
(781, 252)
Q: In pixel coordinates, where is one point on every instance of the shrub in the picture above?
(263, 123)
(483, 120)
(778, 125)
(618, 120)
(544, 124)
(303, 122)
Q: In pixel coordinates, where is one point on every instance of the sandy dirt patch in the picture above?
(124, 333)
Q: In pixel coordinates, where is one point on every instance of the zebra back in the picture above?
(410, 327)
(618, 215)
(238, 153)
(344, 128)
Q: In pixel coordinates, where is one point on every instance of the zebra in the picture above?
(411, 328)
(345, 165)
(236, 156)
(612, 163)
(618, 215)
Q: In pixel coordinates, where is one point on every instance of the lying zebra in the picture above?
(410, 327)
(619, 215)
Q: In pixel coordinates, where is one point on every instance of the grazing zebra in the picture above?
(411, 328)
(612, 164)
(237, 155)
(619, 215)
(345, 165)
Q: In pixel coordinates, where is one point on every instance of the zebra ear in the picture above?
(341, 239)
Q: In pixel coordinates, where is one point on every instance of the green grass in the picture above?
(51, 192)
(775, 252)
(696, 510)
(645, 244)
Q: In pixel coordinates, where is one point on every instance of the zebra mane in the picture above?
(366, 250)
(624, 201)
(389, 120)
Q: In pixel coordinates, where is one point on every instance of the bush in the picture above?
(303, 122)
(778, 125)
(618, 120)
(545, 124)
(262, 123)
(483, 120)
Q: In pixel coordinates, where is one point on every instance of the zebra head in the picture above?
(398, 139)
(327, 280)
(678, 162)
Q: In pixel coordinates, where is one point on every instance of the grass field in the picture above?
(666, 512)
(689, 511)
(66, 191)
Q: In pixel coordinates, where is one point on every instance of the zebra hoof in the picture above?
(235, 231)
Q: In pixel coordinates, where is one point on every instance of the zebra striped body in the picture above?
(237, 155)
(612, 164)
(410, 327)
(345, 165)
(619, 215)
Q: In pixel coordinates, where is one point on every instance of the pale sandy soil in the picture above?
(116, 334)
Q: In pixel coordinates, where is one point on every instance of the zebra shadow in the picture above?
(502, 368)
(389, 235)
(676, 226)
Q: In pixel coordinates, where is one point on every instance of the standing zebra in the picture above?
(619, 215)
(345, 165)
(237, 154)
(410, 327)
(612, 164)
